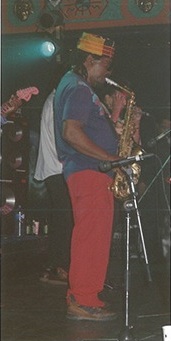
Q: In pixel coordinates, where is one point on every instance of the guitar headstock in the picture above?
(15, 101)
(25, 94)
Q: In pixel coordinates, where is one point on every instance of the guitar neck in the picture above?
(10, 106)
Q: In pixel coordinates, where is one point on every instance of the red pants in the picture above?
(93, 207)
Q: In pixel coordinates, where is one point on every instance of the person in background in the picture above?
(60, 220)
(163, 146)
(83, 139)
(164, 123)
(161, 143)
(152, 201)
(153, 207)
(157, 198)
(163, 151)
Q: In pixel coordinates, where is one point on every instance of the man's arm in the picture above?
(74, 134)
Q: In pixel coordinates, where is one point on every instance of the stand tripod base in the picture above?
(126, 335)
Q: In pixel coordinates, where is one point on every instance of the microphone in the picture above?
(141, 112)
(153, 141)
(106, 166)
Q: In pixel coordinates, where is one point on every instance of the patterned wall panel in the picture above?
(84, 14)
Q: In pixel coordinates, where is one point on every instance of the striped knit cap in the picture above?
(96, 45)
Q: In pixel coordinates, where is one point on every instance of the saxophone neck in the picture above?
(131, 99)
(123, 88)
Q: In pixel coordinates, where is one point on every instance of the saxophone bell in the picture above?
(120, 186)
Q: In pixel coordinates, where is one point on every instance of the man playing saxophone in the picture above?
(83, 139)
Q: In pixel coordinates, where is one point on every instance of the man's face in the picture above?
(98, 70)
(165, 125)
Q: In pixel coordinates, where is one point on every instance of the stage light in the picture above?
(32, 48)
(48, 49)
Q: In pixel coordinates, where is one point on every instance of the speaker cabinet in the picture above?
(14, 171)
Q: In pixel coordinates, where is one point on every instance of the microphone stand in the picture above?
(154, 179)
(126, 334)
(152, 142)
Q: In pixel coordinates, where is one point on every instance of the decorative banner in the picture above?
(83, 9)
(19, 16)
(54, 3)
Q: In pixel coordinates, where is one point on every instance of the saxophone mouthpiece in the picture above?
(111, 82)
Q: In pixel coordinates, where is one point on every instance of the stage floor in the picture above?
(35, 311)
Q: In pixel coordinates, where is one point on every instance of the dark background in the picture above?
(142, 58)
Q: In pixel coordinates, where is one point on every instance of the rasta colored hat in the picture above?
(96, 45)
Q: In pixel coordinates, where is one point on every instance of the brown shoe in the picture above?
(80, 312)
(54, 276)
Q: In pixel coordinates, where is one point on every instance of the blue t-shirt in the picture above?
(74, 99)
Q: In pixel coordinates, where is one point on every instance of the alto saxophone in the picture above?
(127, 147)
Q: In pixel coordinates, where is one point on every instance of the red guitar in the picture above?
(15, 101)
